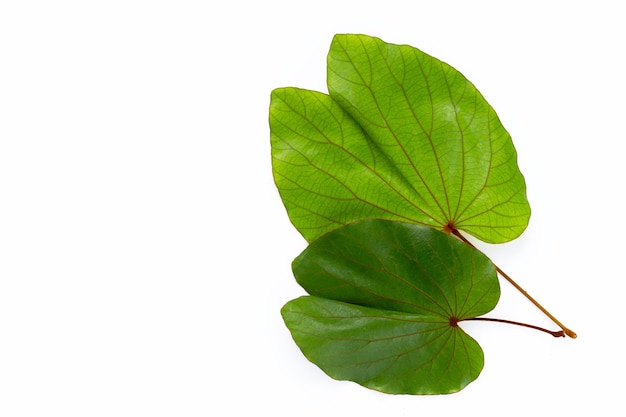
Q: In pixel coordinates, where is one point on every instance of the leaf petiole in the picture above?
(559, 333)
(450, 229)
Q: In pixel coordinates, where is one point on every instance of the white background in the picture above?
(144, 250)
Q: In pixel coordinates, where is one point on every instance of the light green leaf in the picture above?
(328, 172)
(386, 300)
(403, 136)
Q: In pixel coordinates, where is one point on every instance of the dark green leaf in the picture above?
(386, 297)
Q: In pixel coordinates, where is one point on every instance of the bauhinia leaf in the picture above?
(402, 136)
(386, 299)
(327, 171)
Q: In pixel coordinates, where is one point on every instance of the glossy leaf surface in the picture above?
(385, 300)
(402, 136)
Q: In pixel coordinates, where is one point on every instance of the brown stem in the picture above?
(567, 331)
(559, 333)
